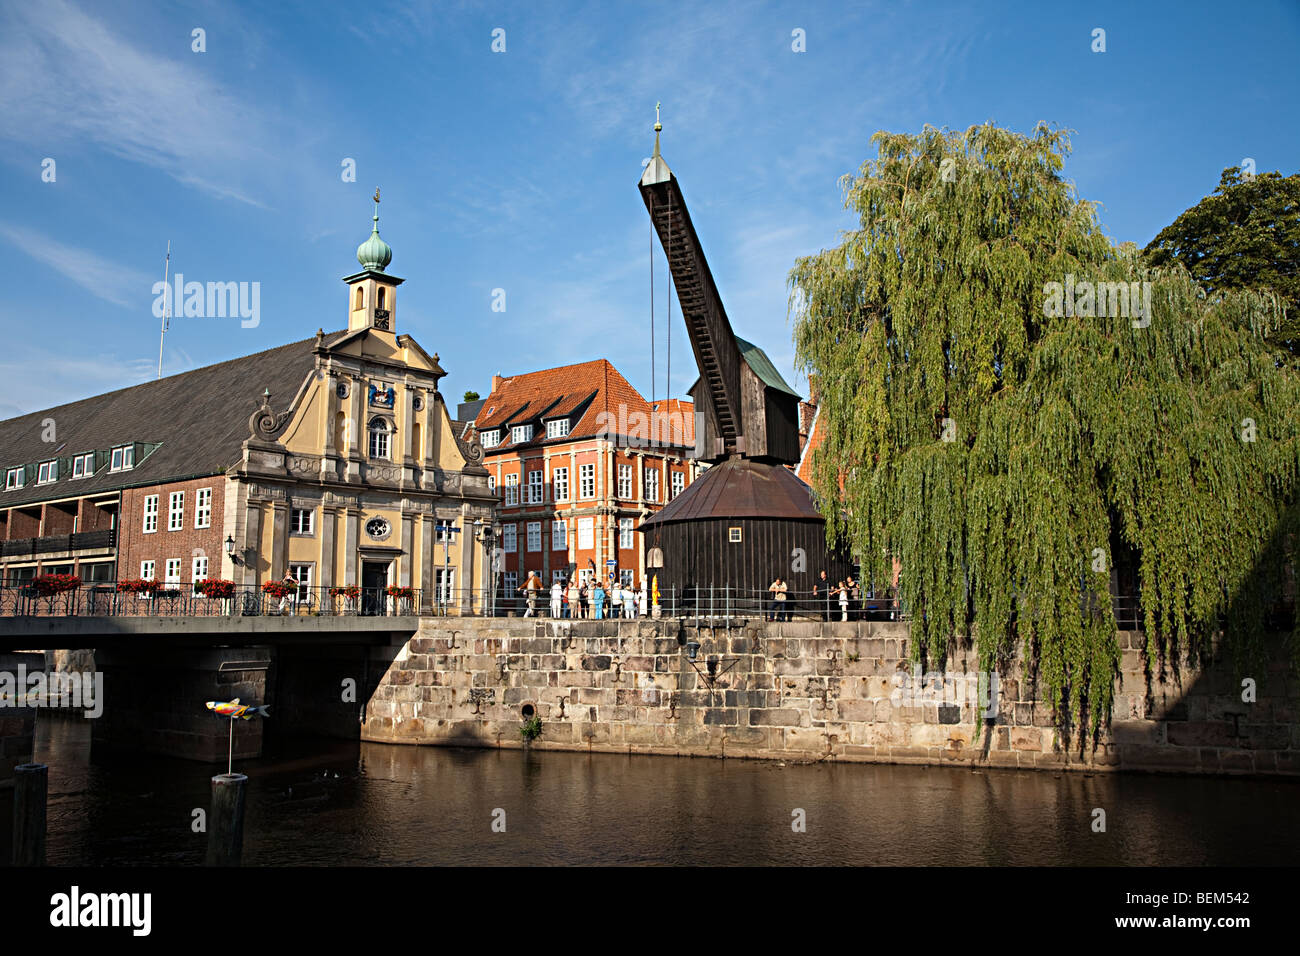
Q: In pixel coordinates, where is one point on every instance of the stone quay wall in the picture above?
(802, 691)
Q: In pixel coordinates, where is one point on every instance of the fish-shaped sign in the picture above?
(234, 708)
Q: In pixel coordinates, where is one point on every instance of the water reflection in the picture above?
(318, 802)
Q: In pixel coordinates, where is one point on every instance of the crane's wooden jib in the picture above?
(712, 339)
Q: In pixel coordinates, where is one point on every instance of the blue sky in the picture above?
(518, 170)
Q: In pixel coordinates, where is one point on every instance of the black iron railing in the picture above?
(182, 600)
(81, 541)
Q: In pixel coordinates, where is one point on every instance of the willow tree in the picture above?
(1009, 403)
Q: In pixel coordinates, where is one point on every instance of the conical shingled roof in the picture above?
(741, 488)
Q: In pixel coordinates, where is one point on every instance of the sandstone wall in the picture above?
(797, 691)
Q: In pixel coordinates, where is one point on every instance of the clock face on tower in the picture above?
(378, 528)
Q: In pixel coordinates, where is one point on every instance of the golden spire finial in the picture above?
(376, 204)
(658, 127)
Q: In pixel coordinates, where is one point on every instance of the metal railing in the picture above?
(80, 541)
(181, 600)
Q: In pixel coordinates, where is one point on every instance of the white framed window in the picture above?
(47, 471)
(625, 577)
(379, 438)
(625, 481)
(558, 428)
(651, 484)
(445, 530)
(535, 487)
(150, 514)
(14, 478)
(302, 574)
(734, 535)
(679, 482)
(444, 583)
(492, 484)
(146, 570)
(560, 483)
(509, 542)
(587, 481)
(511, 583)
(534, 536)
(176, 511)
(585, 576)
(625, 532)
(199, 570)
(302, 521)
(173, 572)
(521, 433)
(490, 439)
(586, 533)
(83, 466)
(512, 489)
(559, 576)
(122, 459)
(203, 508)
(559, 535)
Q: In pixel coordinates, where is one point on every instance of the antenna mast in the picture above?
(167, 297)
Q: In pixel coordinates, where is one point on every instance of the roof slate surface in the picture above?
(741, 488)
(587, 389)
(200, 418)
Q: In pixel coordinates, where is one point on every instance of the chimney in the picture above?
(496, 381)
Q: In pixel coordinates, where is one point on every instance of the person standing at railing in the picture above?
(842, 591)
(531, 587)
(584, 600)
(822, 595)
(575, 607)
(597, 600)
(557, 598)
(629, 601)
(290, 597)
(855, 599)
(778, 590)
(615, 599)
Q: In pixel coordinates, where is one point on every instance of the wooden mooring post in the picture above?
(31, 789)
(226, 819)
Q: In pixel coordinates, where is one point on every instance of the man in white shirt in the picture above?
(557, 598)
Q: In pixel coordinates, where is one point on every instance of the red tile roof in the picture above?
(596, 396)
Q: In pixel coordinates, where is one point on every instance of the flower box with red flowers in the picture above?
(279, 589)
(48, 585)
(137, 586)
(215, 588)
(349, 591)
(401, 592)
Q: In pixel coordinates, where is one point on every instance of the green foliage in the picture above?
(1005, 453)
(532, 729)
(1246, 234)
(470, 397)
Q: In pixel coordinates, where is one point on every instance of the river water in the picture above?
(323, 802)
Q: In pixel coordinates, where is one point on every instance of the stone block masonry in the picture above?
(803, 691)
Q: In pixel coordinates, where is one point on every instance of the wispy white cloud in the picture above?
(32, 375)
(105, 279)
(66, 78)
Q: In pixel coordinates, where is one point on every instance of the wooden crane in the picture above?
(749, 410)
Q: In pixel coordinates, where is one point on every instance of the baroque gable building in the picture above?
(347, 471)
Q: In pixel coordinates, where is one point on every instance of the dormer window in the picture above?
(14, 479)
(83, 466)
(491, 438)
(123, 458)
(521, 433)
(379, 436)
(47, 472)
(557, 428)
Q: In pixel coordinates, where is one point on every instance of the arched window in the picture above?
(381, 299)
(361, 299)
(379, 438)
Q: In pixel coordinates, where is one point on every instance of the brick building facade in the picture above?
(578, 459)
